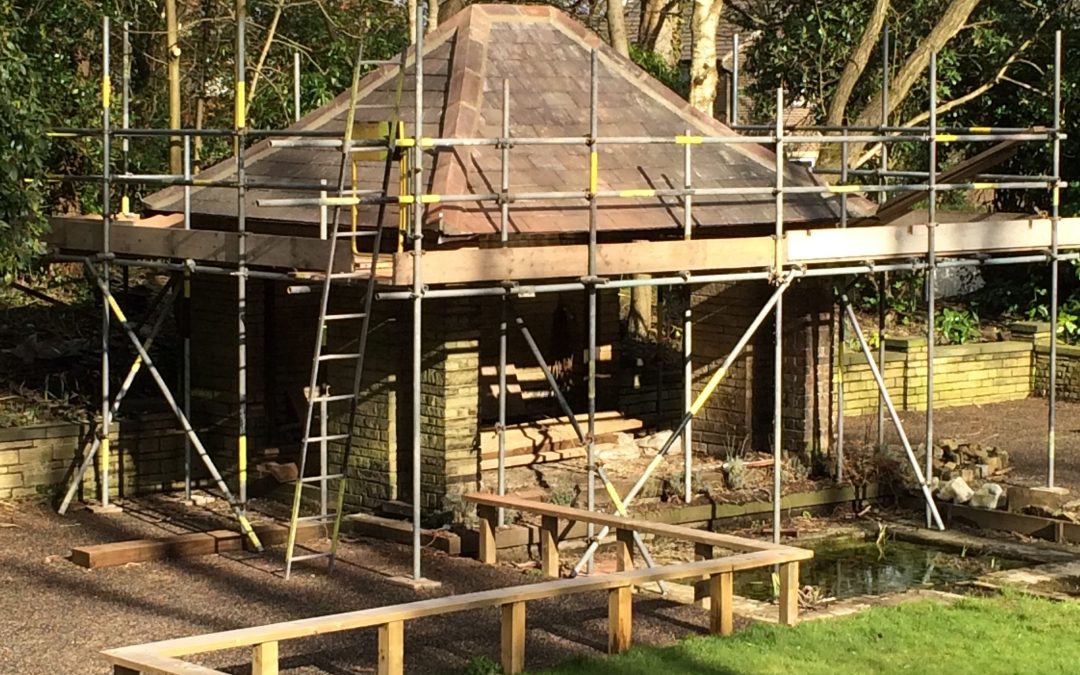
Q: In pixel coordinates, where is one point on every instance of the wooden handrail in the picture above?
(162, 657)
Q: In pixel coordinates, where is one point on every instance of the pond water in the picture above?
(849, 567)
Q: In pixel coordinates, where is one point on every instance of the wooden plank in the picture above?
(538, 458)
(136, 660)
(884, 242)
(721, 599)
(624, 550)
(549, 546)
(392, 648)
(264, 659)
(184, 545)
(84, 235)
(551, 434)
(378, 616)
(789, 593)
(488, 519)
(512, 643)
(620, 619)
(400, 531)
(677, 532)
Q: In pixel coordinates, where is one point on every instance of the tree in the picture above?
(703, 76)
(616, 21)
(659, 30)
(22, 152)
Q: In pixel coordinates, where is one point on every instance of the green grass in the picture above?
(1007, 634)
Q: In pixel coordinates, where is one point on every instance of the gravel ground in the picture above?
(1018, 427)
(55, 617)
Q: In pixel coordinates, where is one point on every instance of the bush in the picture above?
(957, 326)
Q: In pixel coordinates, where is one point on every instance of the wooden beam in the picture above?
(512, 631)
(620, 619)
(264, 659)
(624, 550)
(84, 235)
(392, 648)
(721, 597)
(789, 593)
(703, 551)
(488, 519)
(549, 546)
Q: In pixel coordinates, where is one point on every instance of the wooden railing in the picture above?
(164, 657)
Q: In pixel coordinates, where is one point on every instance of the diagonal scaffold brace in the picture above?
(695, 408)
(639, 543)
(163, 300)
(887, 400)
(114, 307)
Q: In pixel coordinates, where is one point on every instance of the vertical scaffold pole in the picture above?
(594, 207)
(125, 116)
(931, 277)
(1055, 217)
(296, 85)
(687, 341)
(418, 285)
(734, 107)
(504, 231)
(778, 351)
(240, 118)
(106, 243)
(883, 278)
(185, 377)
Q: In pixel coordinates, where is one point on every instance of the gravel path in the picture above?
(55, 617)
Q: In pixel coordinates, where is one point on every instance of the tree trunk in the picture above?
(659, 29)
(703, 75)
(410, 9)
(952, 21)
(616, 21)
(853, 69)
(433, 15)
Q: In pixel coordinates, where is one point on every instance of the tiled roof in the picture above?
(545, 55)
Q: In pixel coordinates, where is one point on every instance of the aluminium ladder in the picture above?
(319, 397)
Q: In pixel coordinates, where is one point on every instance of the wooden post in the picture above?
(703, 551)
(513, 637)
(720, 601)
(620, 619)
(789, 593)
(123, 670)
(624, 550)
(264, 659)
(488, 522)
(549, 546)
(392, 648)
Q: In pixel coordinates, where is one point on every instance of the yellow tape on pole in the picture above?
(979, 130)
(116, 308)
(594, 171)
(844, 188)
(982, 186)
(615, 499)
(946, 138)
(430, 199)
(689, 140)
(240, 114)
(103, 453)
(242, 458)
(637, 193)
(713, 383)
(106, 90)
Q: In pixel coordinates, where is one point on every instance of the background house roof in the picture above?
(545, 56)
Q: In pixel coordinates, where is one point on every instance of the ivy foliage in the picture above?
(22, 151)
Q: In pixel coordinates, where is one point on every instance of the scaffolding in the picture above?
(781, 268)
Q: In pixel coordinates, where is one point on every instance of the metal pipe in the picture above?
(240, 121)
(504, 234)
(931, 260)
(186, 380)
(590, 445)
(125, 119)
(734, 80)
(840, 402)
(778, 346)
(564, 405)
(912, 459)
(883, 278)
(687, 337)
(699, 403)
(418, 286)
(1055, 218)
(106, 224)
(296, 85)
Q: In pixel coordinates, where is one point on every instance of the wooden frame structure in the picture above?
(163, 658)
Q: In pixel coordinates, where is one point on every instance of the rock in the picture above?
(1040, 499)
(202, 499)
(968, 474)
(956, 490)
(1004, 457)
(982, 471)
(650, 445)
(987, 496)
(949, 444)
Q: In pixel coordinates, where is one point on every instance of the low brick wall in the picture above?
(975, 373)
(1068, 371)
(147, 456)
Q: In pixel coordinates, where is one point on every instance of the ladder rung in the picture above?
(311, 556)
(331, 398)
(350, 275)
(329, 439)
(308, 519)
(344, 317)
(315, 479)
(339, 357)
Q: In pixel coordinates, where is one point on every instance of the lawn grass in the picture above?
(976, 636)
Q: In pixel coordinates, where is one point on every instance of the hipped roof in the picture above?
(545, 55)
